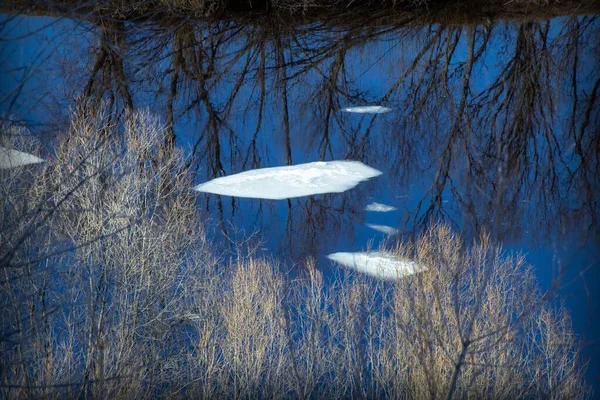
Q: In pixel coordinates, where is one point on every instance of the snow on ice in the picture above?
(367, 109)
(13, 158)
(379, 264)
(292, 181)
(388, 230)
(378, 207)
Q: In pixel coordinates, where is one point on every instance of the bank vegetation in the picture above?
(289, 13)
(111, 289)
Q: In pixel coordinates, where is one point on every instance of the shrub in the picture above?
(114, 292)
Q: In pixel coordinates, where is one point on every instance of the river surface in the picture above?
(493, 127)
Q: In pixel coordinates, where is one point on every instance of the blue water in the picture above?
(512, 155)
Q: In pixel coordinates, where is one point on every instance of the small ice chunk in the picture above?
(291, 181)
(13, 158)
(388, 230)
(367, 109)
(378, 207)
(379, 264)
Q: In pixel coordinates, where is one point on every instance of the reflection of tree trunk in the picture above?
(593, 97)
(443, 172)
(331, 106)
(573, 49)
(284, 98)
(100, 60)
(177, 64)
(357, 146)
(214, 142)
(188, 63)
(587, 160)
(109, 70)
(261, 78)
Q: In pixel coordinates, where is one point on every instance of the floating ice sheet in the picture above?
(367, 109)
(378, 207)
(380, 264)
(13, 158)
(388, 230)
(292, 181)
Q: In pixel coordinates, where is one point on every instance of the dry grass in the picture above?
(286, 13)
(139, 307)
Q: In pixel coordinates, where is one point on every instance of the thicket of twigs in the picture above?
(111, 290)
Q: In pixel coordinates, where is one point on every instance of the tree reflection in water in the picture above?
(494, 125)
(500, 118)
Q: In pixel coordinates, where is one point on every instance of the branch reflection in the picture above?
(494, 125)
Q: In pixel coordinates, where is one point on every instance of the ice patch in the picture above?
(367, 109)
(292, 181)
(388, 230)
(379, 264)
(13, 158)
(378, 207)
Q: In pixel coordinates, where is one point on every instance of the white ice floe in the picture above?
(292, 181)
(378, 207)
(388, 230)
(367, 109)
(379, 264)
(13, 158)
